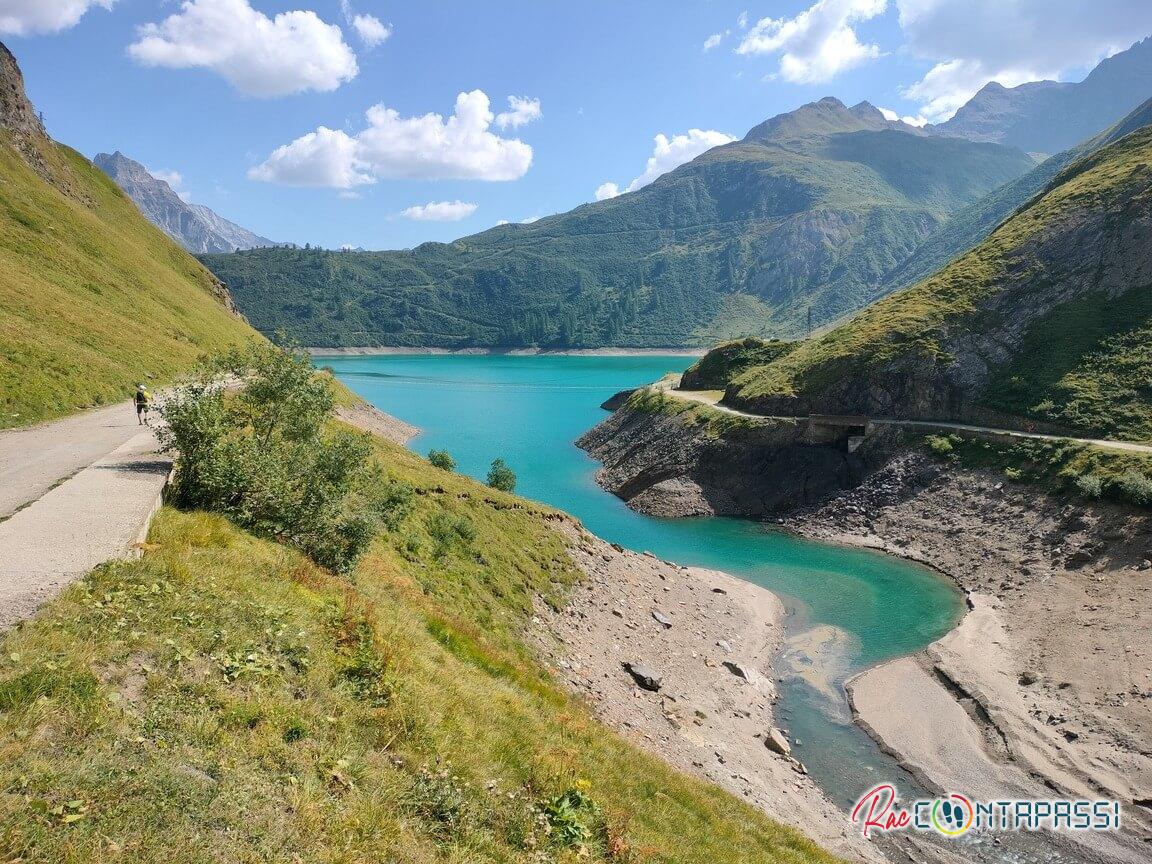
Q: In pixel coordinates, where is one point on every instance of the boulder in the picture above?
(644, 676)
(775, 741)
(739, 670)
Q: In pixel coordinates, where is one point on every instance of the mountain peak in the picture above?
(1053, 116)
(195, 227)
(826, 116)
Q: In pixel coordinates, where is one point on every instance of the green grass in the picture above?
(716, 369)
(1085, 365)
(1062, 467)
(93, 298)
(225, 700)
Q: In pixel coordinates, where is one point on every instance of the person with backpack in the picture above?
(143, 402)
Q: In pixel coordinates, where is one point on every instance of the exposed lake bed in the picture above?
(847, 609)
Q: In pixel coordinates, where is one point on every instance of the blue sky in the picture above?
(210, 89)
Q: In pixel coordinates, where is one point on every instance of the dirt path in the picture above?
(712, 398)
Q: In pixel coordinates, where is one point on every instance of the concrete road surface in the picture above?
(33, 459)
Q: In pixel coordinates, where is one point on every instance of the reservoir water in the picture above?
(848, 608)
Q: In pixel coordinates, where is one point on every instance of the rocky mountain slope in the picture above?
(1051, 116)
(194, 226)
(976, 221)
(812, 208)
(1048, 321)
(93, 298)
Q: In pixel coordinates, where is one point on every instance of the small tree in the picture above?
(265, 457)
(501, 477)
(442, 459)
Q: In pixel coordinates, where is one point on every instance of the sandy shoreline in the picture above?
(1045, 686)
(513, 352)
(708, 718)
(370, 419)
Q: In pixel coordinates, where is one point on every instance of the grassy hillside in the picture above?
(225, 700)
(1047, 321)
(812, 208)
(715, 369)
(93, 299)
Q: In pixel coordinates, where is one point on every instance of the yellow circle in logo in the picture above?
(956, 832)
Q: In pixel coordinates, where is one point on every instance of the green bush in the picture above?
(266, 458)
(501, 477)
(1136, 487)
(575, 821)
(442, 459)
(1089, 485)
(940, 445)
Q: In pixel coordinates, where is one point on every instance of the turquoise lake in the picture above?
(857, 607)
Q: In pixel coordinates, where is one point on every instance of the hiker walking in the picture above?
(143, 401)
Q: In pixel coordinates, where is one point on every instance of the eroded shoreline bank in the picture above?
(711, 640)
(1046, 684)
(1051, 674)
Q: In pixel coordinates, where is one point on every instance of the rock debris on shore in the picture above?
(610, 646)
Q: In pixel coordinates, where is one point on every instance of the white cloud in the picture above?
(521, 111)
(502, 222)
(258, 55)
(817, 44)
(742, 21)
(667, 154)
(891, 116)
(529, 220)
(463, 147)
(24, 17)
(371, 30)
(972, 42)
(714, 40)
(440, 211)
(672, 152)
(607, 190)
(174, 179)
(326, 157)
(949, 85)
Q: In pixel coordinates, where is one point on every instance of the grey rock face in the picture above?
(194, 226)
(18, 116)
(662, 466)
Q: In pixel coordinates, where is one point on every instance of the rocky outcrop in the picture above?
(194, 226)
(18, 117)
(676, 464)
